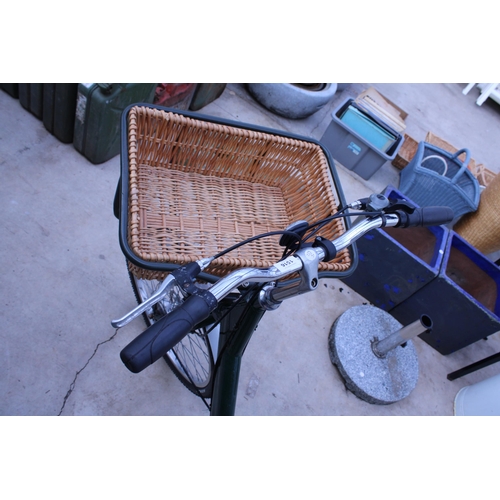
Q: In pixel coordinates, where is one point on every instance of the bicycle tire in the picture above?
(191, 360)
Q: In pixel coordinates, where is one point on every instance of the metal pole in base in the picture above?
(382, 347)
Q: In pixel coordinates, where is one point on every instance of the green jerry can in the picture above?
(99, 107)
(59, 107)
(206, 93)
(31, 98)
(11, 88)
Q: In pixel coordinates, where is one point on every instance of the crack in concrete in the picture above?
(72, 385)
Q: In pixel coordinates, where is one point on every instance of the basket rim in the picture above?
(422, 145)
(121, 197)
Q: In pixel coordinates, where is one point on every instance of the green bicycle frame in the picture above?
(236, 329)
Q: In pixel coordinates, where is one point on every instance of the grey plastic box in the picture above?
(353, 151)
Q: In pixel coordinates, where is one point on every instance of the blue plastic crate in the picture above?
(463, 301)
(395, 263)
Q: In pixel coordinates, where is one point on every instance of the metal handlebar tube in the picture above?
(249, 274)
(363, 227)
(307, 259)
(272, 296)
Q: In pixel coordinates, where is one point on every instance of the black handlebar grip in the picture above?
(161, 336)
(426, 216)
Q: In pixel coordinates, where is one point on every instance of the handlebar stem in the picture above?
(279, 270)
(271, 297)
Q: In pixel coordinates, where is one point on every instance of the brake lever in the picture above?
(184, 276)
(144, 306)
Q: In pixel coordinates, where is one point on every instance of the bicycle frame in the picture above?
(259, 290)
(236, 329)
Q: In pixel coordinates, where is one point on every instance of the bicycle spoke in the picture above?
(194, 359)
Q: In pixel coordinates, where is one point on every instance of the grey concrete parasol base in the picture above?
(373, 379)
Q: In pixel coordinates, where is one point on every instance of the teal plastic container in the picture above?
(99, 107)
(368, 129)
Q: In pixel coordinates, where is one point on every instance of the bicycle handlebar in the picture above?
(426, 216)
(164, 334)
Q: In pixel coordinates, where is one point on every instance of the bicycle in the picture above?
(181, 308)
(201, 323)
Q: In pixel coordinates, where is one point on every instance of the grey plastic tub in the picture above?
(353, 151)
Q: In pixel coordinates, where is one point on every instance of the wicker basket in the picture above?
(480, 172)
(196, 187)
(437, 177)
(435, 140)
(482, 228)
(406, 152)
(483, 175)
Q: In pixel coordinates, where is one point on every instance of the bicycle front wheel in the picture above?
(192, 359)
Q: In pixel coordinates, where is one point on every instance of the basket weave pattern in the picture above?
(482, 228)
(406, 152)
(446, 146)
(196, 188)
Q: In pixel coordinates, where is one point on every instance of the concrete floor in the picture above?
(64, 279)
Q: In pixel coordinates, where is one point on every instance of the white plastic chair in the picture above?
(487, 90)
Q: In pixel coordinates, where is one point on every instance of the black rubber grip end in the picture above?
(160, 337)
(426, 216)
